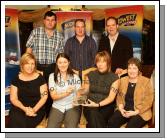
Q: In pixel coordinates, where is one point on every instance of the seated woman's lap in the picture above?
(18, 119)
(98, 117)
(133, 122)
(116, 120)
(136, 122)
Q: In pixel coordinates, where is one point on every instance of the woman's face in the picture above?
(29, 67)
(101, 65)
(133, 71)
(62, 64)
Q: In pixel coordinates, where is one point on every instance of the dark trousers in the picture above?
(133, 122)
(98, 117)
(47, 69)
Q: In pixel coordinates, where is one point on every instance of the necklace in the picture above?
(132, 84)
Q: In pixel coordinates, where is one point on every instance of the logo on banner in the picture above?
(68, 30)
(68, 24)
(127, 20)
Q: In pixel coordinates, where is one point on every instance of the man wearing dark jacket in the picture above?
(117, 45)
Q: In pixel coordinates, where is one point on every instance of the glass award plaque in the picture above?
(82, 98)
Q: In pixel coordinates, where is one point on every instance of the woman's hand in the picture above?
(82, 91)
(90, 103)
(30, 112)
(70, 90)
(131, 113)
(123, 112)
(118, 71)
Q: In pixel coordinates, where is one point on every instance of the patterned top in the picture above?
(82, 55)
(61, 86)
(44, 48)
(100, 85)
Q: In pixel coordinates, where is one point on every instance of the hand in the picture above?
(82, 91)
(70, 89)
(130, 113)
(118, 71)
(90, 103)
(75, 71)
(30, 112)
(123, 112)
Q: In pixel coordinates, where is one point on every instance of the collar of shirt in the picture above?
(69, 77)
(85, 38)
(113, 38)
(54, 33)
(112, 41)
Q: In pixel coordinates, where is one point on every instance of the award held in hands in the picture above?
(81, 98)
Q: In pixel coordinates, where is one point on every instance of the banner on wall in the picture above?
(130, 20)
(65, 22)
(12, 51)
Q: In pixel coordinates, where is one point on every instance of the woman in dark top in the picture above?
(28, 94)
(102, 88)
(134, 98)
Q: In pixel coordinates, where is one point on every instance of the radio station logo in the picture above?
(127, 20)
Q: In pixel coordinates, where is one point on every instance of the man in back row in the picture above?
(81, 48)
(117, 45)
(45, 43)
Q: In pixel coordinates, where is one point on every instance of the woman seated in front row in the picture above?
(134, 98)
(102, 86)
(28, 94)
(63, 86)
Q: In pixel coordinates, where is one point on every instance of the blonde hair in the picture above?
(24, 60)
(105, 55)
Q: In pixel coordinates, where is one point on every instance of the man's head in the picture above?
(50, 20)
(80, 27)
(112, 26)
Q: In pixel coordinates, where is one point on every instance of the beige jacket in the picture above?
(143, 96)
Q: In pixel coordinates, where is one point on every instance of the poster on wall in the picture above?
(12, 51)
(65, 22)
(130, 21)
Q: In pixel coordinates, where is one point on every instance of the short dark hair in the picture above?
(136, 62)
(114, 18)
(81, 20)
(50, 14)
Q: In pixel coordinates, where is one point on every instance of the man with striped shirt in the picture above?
(81, 48)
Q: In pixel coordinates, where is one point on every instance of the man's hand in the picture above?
(118, 71)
